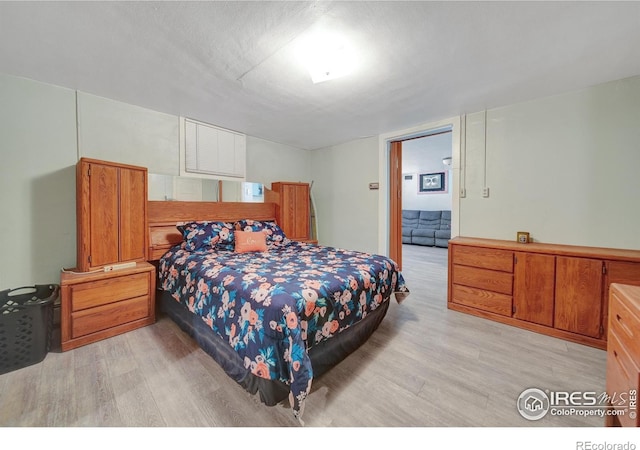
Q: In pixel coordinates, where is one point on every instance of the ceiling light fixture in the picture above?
(326, 56)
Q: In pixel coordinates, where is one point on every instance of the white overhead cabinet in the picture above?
(215, 151)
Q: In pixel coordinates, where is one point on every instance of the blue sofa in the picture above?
(432, 228)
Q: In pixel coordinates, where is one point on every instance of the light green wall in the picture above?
(564, 168)
(117, 131)
(38, 154)
(269, 161)
(346, 209)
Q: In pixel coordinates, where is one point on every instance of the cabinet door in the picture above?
(214, 151)
(534, 284)
(301, 224)
(133, 207)
(231, 154)
(103, 215)
(579, 287)
(207, 149)
(294, 210)
(240, 154)
(191, 146)
(226, 153)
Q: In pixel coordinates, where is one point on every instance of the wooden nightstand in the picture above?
(98, 305)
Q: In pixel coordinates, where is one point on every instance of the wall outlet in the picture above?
(485, 192)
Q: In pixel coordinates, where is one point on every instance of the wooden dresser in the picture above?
(99, 299)
(558, 290)
(292, 209)
(623, 355)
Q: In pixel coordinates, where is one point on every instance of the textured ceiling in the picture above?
(233, 63)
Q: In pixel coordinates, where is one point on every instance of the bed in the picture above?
(274, 313)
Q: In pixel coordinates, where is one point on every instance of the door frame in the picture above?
(385, 214)
(395, 201)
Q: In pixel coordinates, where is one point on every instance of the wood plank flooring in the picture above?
(426, 366)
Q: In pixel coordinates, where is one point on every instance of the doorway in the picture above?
(392, 152)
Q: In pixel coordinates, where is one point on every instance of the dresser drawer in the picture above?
(625, 323)
(102, 292)
(486, 258)
(482, 299)
(623, 380)
(107, 316)
(489, 280)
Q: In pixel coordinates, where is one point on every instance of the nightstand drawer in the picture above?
(102, 292)
(482, 299)
(487, 258)
(489, 280)
(107, 316)
(623, 380)
(624, 322)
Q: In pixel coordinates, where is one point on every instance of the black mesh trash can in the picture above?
(26, 325)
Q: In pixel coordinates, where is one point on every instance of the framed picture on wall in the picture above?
(432, 182)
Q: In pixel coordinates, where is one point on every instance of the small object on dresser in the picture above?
(523, 237)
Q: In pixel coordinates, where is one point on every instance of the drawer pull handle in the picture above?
(623, 325)
(621, 365)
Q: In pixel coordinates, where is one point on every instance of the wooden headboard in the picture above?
(164, 216)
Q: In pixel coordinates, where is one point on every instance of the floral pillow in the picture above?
(198, 235)
(275, 235)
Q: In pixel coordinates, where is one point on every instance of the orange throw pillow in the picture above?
(250, 241)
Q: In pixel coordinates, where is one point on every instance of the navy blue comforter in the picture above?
(271, 307)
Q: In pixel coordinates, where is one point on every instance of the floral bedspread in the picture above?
(272, 306)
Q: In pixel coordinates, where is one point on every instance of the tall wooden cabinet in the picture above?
(99, 299)
(559, 290)
(111, 213)
(292, 209)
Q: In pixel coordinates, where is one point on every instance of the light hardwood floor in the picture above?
(425, 366)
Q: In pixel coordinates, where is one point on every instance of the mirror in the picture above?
(170, 187)
(254, 192)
